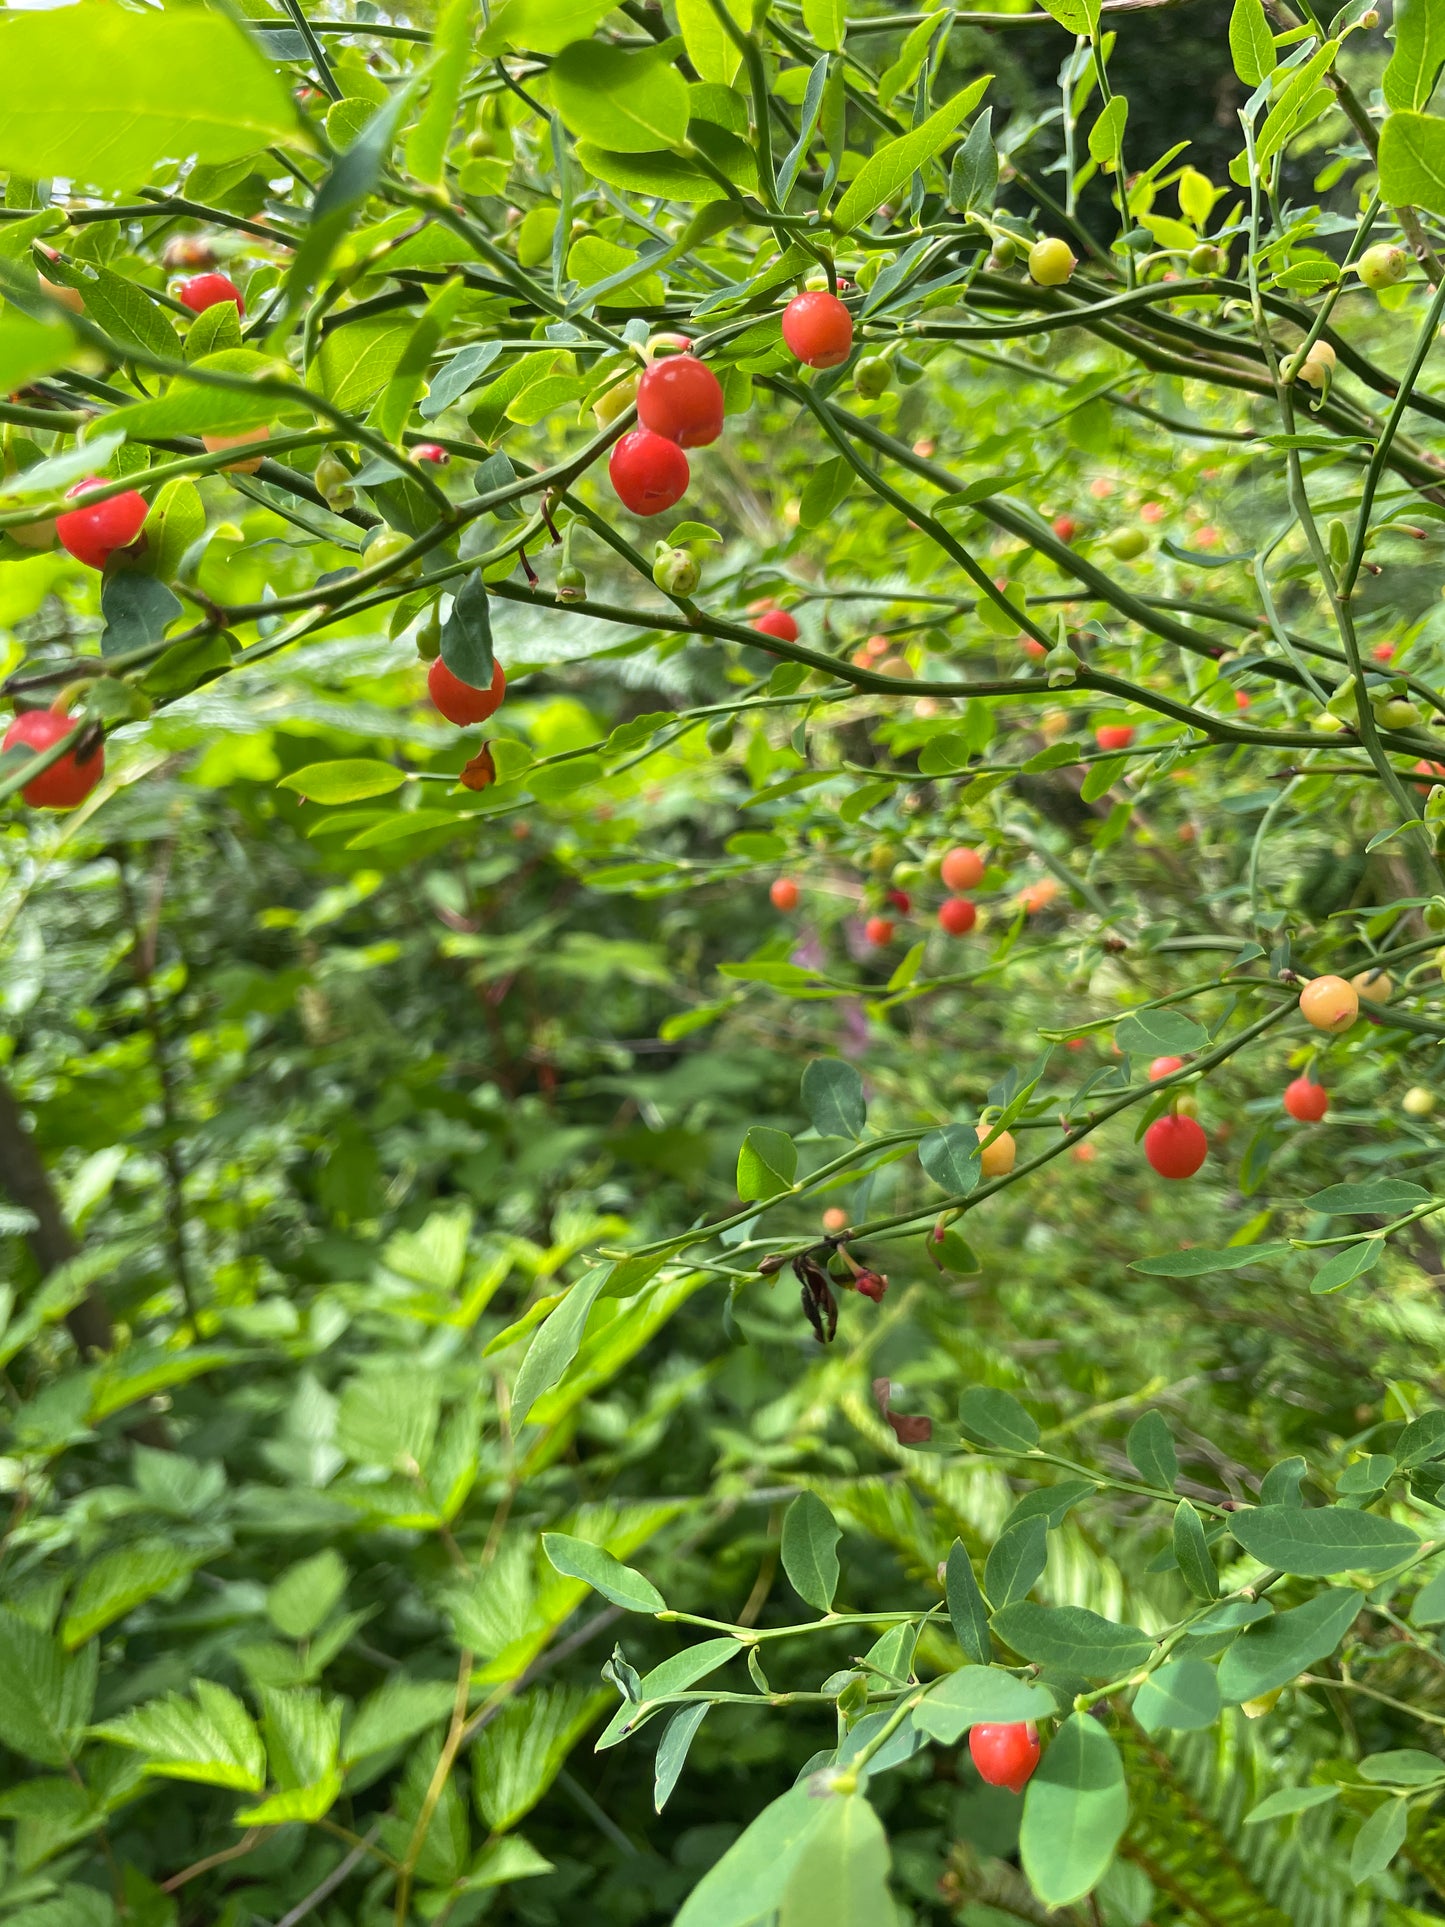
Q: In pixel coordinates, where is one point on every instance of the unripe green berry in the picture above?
(1383, 265)
(1418, 1101)
(383, 546)
(720, 732)
(333, 482)
(429, 636)
(906, 876)
(1207, 259)
(480, 144)
(872, 376)
(1396, 713)
(675, 571)
(1434, 914)
(571, 584)
(1051, 262)
(1005, 251)
(1127, 543)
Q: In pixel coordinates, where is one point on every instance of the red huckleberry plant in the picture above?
(538, 1380)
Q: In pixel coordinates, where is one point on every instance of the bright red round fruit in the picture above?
(777, 622)
(784, 893)
(680, 398)
(1164, 1067)
(957, 916)
(1175, 1146)
(649, 472)
(93, 534)
(1113, 735)
(900, 901)
(430, 452)
(962, 868)
(1065, 527)
(459, 701)
(818, 329)
(1005, 1755)
(66, 782)
(878, 931)
(1306, 1100)
(204, 291)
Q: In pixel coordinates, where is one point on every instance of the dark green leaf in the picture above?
(1073, 1638)
(979, 1694)
(579, 1559)
(672, 1751)
(1075, 1809)
(1191, 1553)
(833, 1098)
(1326, 1540)
(1379, 1840)
(810, 1550)
(467, 634)
(1194, 1261)
(137, 609)
(1289, 1800)
(950, 1157)
(995, 1417)
(1182, 1696)
(767, 1163)
(1152, 1033)
(967, 1613)
(1273, 1651)
(1347, 1264)
(1388, 1195)
(1151, 1451)
(1016, 1561)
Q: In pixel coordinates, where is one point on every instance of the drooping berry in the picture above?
(95, 531)
(649, 472)
(68, 781)
(957, 915)
(1005, 1755)
(681, 399)
(1175, 1146)
(204, 291)
(1329, 1003)
(879, 931)
(784, 893)
(996, 1160)
(460, 702)
(1306, 1100)
(818, 329)
(777, 623)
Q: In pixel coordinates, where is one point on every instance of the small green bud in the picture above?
(675, 571)
(1434, 914)
(1061, 666)
(1342, 702)
(1207, 259)
(720, 733)
(333, 482)
(571, 584)
(1005, 251)
(429, 636)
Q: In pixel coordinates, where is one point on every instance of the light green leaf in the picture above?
(1075, 16)
(520, 1753)
(1075, 1809)
(396, 1712)
(29, 349)
(1375, 1194)
(1325, 1540)
(426, 146)
(139, 88)
(1289, 1799)
(1194, 1261)
(1379, 1840)
(45, 1697)
(810, 1550)
(893, 165)
(623, 1585)
(119, 1581)
(995, 1417)
(356, 361)
(345, 782)
(977, 1695)
(710, 47)
(1405, 1766)
(824, 21)
(767, 1163)
(210, 1739)
(1106, 136)
(1182, 1696)
(394, 404)
(176, 519)
(556, 1343)
(630, 102)
(1152, 1033)
(840, 1877)
(1429, 1606)
(1414, 66)
(305, 1594)
(542, 26)
(1347, 1264)
(747, 1884)
(1251, 44)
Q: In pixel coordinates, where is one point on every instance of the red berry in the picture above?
(957, 916)
(872, 1284)
(818, 329)
(784, 893)
(65, 783)
(1175, 1146)
(1383, 651)
(461, 702)
(1306, 1100)
(93, 534)
(1241, 699)
(649, 472)
(430, 452)
(680, 398)
(901, 901)
(204, 291)
(1065, 527)
(1005, 1755)
(1032, 647)
(878, 931)
(1113, 735)
(777, 622)
(962, 869)
(1164, 1067)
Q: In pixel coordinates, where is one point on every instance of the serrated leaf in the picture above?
(211, 1739)
(118, 1582)
(45, 1697)
(306, 1593)
(396, 1712)
(810, 1550)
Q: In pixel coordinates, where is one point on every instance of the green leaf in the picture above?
(345, 782)
(137, 610)
(1347, 1264)
(810, 1550)
(974, 180)
(1075, 16)
(1191, 1553)
(672, 1751)
(426, 146)
(995, 1417)
(1153, 1033)
(892, 166)
(517, 1757)
(213, 330)
(29, 349)
(767, 1163)
(1015, 1561)
(1151, 1451)
(976, 1695)
(396, 1712)
(119, 1581)
(139, 88)
(556, 1343)
(305, 1594)
(825, 21)
(1275, 1650)
(1182, 1696)
(1106, 136)
(1406, 1766)
(747, 1884)
(1289, 1799)
(356, 361)
(1072, 1637)
(1075, 1809)
(840, 1877)
(1251, 44)
(621, 1584)
(630, 102)
(1422, 1439)
(710, 47)
(1376, 1194)
(176, 519)
(833, 1098)
(1194, 1261)
(967, 1613)
(950, 1157)
(1429, 1606)
(824, 492)
(188, 408)
(210, 1739)
(389, 1417)
(1379, 1840)
(1414, 67)
(45, 1697)
(1326, 1540)
(542, 26)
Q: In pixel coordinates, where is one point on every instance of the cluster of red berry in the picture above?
(962, 869)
